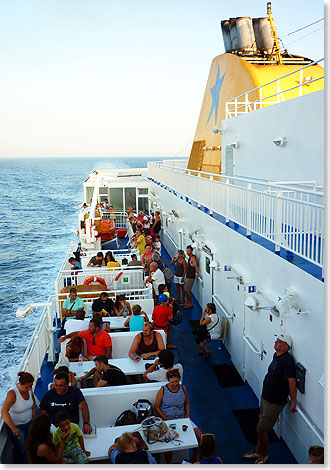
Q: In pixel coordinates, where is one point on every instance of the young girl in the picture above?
(147, 258)
(136, 321)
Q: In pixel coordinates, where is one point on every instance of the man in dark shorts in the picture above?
(105, 374)
(191, 272)
(279, 381)
(65, 397)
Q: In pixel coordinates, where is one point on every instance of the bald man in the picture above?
(155, 277)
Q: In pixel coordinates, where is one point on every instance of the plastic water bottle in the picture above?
(80, 360)
(90, 311)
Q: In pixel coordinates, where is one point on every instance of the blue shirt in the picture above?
(136, 323)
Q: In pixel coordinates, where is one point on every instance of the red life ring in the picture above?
(95, 279)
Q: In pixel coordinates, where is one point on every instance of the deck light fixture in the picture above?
(215, 265)
(280, 141)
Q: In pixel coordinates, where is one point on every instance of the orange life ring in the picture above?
(95, 279)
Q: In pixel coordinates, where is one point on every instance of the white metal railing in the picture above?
(291, 219)
(222, 308)
(241, 104)
(85, 257)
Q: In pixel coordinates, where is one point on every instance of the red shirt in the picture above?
(102, 341)
(160, 317)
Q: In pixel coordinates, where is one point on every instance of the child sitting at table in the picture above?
(136, 321)
(127, 450)
(74, 447)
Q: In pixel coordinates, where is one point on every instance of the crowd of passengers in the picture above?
(54, 435)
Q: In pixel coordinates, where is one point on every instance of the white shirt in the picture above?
(160, 375)
(216, 330)
(158, 248)
(158, 278)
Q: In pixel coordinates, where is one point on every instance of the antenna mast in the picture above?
(276, 46)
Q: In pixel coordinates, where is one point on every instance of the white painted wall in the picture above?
(300, 121)
(271, 274)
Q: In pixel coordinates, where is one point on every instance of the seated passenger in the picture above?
(76, 265)
(172, 402)
(105, 374)
(136, 321)
(74, 447)
(110, 260)
(209, 328)
(121, 306)
(98, 341)
(74, 348)
(57, 398)
(207, 449)
(135, 261)
(146, 344)
(103, 305)
(97, 260)
(39, 443)
(126, 450)
(165, 362)
(72, 378)
(72, 304)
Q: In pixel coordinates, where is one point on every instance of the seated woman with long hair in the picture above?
(74, 348)
(122, 307)
(39, 442)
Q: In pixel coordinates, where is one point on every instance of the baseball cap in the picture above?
(286, 338)
(162, 298)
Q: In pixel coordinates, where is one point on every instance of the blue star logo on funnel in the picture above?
(215, 92)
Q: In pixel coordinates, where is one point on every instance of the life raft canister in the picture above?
(95, 279)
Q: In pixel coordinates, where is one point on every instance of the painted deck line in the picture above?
(290, 257)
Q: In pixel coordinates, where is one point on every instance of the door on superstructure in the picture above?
(206, 273)
(230, 293)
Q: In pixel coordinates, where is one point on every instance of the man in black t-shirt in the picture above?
(105, 374)
(64, 397)
(279, 381)
(103, 305)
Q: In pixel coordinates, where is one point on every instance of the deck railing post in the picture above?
(248, 211)
(227, 200)
(278, 220)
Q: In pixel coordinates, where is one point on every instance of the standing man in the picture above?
(191, 273)
(72, 304)
(155, 277)
(98, 341)
(280, 381)
(65, 397)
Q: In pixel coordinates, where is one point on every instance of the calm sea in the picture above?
(39, 200)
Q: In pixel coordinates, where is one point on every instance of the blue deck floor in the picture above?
(211, 405)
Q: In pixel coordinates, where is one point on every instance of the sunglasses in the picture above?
(93, 341)
(170, 375)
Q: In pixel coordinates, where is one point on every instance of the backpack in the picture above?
(125, 418)
(144, 409)
(177, 315)
(168, 275)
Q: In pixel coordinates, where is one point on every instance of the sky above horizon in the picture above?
(109, 78)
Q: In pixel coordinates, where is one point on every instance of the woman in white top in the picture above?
(17, 412)
(212, 326)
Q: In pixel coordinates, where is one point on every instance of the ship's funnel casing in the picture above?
(263, 34)
(245, 34)
(226, 35)
(233, 34)
(231, 76)
(238, 35)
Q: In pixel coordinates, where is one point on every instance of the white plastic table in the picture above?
(106, 437)
(126, 364)
(116, 323)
